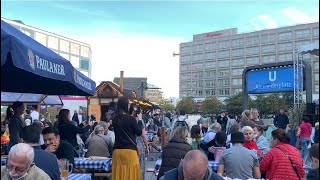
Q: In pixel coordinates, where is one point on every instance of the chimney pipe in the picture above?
(121, 81)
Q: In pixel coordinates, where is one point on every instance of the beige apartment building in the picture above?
(212, 64)
(78, 53)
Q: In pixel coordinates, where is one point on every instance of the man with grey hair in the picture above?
(194, 166)
(20, 165)
(99, 144)
(107, 131)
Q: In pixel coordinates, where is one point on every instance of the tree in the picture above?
(187, 104)
(234, 104)
(270, 104)
(212, 105)
(289, 99)
(166, 105)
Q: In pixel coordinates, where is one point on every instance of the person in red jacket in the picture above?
(250, 143)
(277, 162)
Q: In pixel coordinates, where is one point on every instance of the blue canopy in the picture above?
(29, 67)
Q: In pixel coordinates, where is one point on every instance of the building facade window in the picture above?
(197, 66)
(224, 73)
(316, 77)
(268, 38)
(210, 64)
(237, 72)
(75, 48)
(316, 32)
(285, 47)
(64, 55)
(316, 88)
(224, 44)
(301, 43)
(185, 59)
(185, 76)
(53, 42)
(211, 46)
(236, 82)
(64, 46)
(252, 40)
(226, 92)
(268, 48)
(267, 59)
(224, 54)
(285, 36)
(316, 65)
(41, 38)
(237, 42)
(84, 51)
(224, 63)
(238, 62)
(237, 52)
(221, 92)
(302, 33)
(285, 57)
(210, 55)
(197, 48)
(197, 75)
(223, 82)
(185, 67)
(252, 60)
(185, 50)
(84, 64)
(210, 83)
(197, 57)
(75, 61)
(252, 50)
(210, 74)
(237, 91)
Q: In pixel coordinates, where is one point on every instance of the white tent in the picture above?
(312, 49)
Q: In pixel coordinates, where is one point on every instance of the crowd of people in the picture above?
(35, 149)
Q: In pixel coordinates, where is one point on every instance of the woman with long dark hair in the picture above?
(67, 130)
(125, 162)
(16, 123)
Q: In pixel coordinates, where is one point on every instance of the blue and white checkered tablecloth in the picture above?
(74, 176)
(212, 164)
(85, 163)
(149, 136)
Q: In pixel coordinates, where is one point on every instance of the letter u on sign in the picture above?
(274, 76)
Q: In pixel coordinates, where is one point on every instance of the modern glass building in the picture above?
(212, 64)
(78, 53)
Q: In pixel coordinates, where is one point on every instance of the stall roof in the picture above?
(10, 97)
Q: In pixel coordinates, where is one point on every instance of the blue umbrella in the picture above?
(29, 67)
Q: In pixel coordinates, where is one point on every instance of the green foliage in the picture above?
(188, 104)
(212, 105)
(234, 104)
(270, 104)
(166, 105)
(295, 115)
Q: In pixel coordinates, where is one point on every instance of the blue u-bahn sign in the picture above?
(270, 80)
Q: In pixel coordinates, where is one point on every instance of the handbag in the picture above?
(292, 164)
(137, 149)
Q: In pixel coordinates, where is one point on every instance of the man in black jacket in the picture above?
(281, 120)
(193, 166)
(53, 144)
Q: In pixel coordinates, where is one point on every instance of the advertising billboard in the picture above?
(270, 80)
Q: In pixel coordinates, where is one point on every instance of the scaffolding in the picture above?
(298, 79)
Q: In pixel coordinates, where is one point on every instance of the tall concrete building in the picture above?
(78, 53)
(212, 64)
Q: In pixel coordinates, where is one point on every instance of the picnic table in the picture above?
(86, 163)
(76, 176)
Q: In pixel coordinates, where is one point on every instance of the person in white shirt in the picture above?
(34, 114)
(80, 117)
